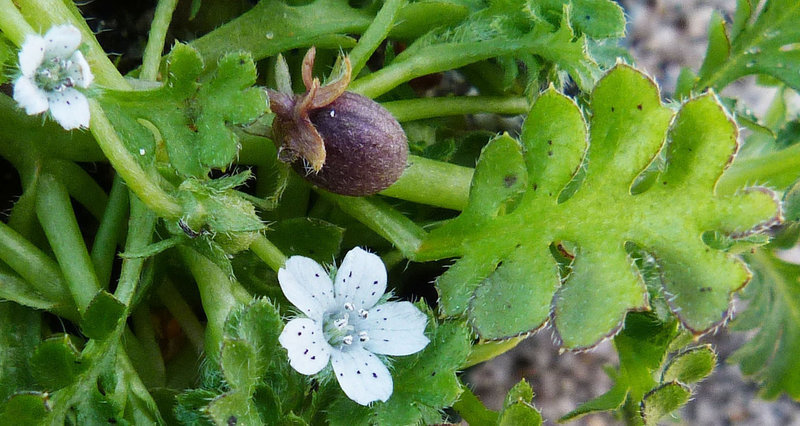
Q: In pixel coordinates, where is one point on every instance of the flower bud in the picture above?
(341, 141)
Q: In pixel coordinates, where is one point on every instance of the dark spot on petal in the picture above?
(374, 375)
(305, 352)
(299, 333)
(375, 283)
(313, 357)
(68, 103)
(350, 275)
(358, 287)
(358, 371)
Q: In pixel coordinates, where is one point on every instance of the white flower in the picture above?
(52, 68)
(344, 325)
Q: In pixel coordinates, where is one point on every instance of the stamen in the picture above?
(363, 313)
(347, 340)
(362, 336)
(349, 306)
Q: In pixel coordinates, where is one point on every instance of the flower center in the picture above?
(339, 329)
(53, 75)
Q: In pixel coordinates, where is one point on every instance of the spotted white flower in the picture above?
(52, 68)
(344, 325)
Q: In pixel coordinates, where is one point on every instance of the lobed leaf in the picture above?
(190, 112)
(507, 282)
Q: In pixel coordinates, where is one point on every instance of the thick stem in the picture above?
(141, 224)
(137, 179)
(39, 270)
(61, 227)
(155, 42)
(143, 328)
(421, 108)
(13, 24)
(434, 183)
(383, 219)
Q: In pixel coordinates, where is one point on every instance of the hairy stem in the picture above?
(155, 41)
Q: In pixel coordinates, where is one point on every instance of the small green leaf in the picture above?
(20, 332)
(791, 202)
(517, 408)
(25, 408)
(663, 400)
(307, 236)
(56, 362)
(191, 112)
(102, 315)
(691, 365)
(239, 363)
(6, 56)
(609, 401)
(719, 47)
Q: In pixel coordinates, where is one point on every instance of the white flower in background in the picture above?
(344, 324)
(52, 68)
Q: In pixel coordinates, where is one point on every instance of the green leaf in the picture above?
(766, 43)
(102, 315)
(190, 112)
(56, 362)
(6, 56)
(307, 236)
(504, 29)
(791, 202)
(609, 401)
(25, 408)
(507, 282)
(663, 400)
(20, 332)
(595, 18)
(691, 365)
(770, 357)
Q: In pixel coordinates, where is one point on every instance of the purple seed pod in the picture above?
(341, 141)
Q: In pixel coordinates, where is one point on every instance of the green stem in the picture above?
(155, 42)
(58, 221)
(431, 182)
(182, 313)
(80, 185)
(219, 295)
(383, 219)
(141, 224)
(421, 108)
(39, 270)
(375, 34)
(143, 328)
(148, 191)
(268, 252)
(778, 169)
(13, 24)
(109, 232)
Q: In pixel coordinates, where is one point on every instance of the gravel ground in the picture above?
(664, 36)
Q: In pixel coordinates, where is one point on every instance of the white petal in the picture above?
(69, 108)
(29, 96)
(395, 328)
(308, 350)
(307, 286)
(31, 54)
(61, 41)
(79, 71)
(361, 279)
(362, 376)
